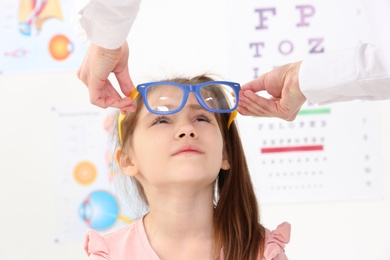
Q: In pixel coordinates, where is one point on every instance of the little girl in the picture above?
(182, 149)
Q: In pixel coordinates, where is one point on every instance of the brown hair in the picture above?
(237, 228)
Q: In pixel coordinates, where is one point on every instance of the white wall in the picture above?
(193, 43)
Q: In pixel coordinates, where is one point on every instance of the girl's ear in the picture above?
(125, 162)
(225, 165)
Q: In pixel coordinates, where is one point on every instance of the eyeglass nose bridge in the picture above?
(187, 89)
(196, 90)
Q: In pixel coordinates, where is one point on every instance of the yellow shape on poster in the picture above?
(60, 47)
(85, 173)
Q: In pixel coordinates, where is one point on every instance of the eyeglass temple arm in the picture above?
(121, 117)
(231, 118)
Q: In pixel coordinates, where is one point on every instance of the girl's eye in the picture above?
(203, 117)
(160, 120)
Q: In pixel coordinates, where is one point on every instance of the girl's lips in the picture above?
(188, 149)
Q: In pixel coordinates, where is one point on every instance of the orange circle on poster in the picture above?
(85, 173)
(60, 47)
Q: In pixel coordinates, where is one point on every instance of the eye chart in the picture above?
(329, 152)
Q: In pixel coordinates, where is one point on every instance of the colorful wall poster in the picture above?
(89, 191)
(38, 36)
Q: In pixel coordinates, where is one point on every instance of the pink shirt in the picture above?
(131, 242)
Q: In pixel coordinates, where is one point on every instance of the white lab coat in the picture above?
(361, 72)
(106, 23)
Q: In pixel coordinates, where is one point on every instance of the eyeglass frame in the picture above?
(187, 89)
(195, 88)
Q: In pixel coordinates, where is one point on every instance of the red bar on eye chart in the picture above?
(284, 149)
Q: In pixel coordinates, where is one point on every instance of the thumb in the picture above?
(125, 82)
(255, 85)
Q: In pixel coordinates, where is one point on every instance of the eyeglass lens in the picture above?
(169, 97)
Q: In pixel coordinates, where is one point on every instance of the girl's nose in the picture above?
(186, 130)
(184, 134)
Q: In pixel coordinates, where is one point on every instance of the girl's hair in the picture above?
(237, 228)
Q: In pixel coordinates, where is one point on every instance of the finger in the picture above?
(248, 109)
(102, 93)
(243, 111)
(255, 85)
(258, 101)
(103, 102)
(255, 105)
(252, 104)
(261, 106)
(125, 104)
(125, 82)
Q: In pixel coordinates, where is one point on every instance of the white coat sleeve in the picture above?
(361, 72)
(105, 23)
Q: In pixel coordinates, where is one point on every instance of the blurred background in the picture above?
(327, 173)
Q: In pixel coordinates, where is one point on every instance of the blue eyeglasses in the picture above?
(166, 97)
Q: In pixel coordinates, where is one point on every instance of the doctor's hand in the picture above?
(282, 84)
(97, 65)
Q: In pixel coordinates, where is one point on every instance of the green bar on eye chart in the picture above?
(314, 111)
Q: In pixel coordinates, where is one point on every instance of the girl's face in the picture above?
(182, 149)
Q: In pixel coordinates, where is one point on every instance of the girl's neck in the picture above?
(180, 214)
(181, 225)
